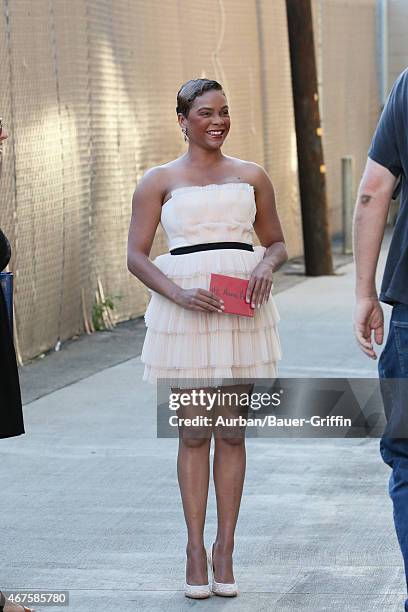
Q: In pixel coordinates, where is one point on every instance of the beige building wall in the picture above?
(397, 39)
(88, 95)
(345, 41)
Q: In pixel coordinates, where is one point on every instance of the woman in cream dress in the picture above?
(209, 205)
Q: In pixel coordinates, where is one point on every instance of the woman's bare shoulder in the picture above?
(157, 182)
(250, 171)
(159, 175)
(152, 181)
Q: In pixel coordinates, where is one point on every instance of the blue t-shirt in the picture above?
(389, 147)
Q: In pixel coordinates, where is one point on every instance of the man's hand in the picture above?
(368, 318)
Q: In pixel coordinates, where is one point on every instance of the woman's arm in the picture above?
(269, 231)
(3, 136)
(267, 225)
(146, 212)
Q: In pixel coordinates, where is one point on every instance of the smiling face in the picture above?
(208, 121)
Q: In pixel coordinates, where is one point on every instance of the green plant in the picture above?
(101, 317)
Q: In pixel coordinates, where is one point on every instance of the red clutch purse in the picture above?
(233, 291)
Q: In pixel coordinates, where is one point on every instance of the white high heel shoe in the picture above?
(224, 589)
(197, 591)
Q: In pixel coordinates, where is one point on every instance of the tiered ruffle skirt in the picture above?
(208, 349)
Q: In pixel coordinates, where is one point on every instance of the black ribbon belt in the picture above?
(210, 246)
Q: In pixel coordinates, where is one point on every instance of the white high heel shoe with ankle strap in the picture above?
(224, 589)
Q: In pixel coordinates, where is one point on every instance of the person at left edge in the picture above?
(11, 412)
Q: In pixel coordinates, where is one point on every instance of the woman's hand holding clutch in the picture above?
(199, 299)
(260, 284)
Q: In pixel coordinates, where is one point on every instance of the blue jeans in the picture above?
(393, 363)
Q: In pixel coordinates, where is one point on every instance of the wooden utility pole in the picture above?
(312, 179)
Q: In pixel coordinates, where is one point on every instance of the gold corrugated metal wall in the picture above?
(345, 41)
(89, 103)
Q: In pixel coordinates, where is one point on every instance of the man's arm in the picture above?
(370, 216)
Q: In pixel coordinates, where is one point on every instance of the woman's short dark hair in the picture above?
(190, 91)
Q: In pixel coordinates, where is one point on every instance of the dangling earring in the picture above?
(184, 130)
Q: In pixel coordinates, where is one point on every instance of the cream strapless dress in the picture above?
(209, 348)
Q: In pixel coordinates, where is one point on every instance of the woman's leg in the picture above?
(193, 470)
(229, 474)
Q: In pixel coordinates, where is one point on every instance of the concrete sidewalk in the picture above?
(90, 501)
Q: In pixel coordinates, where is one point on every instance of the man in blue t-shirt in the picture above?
(385, 173)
